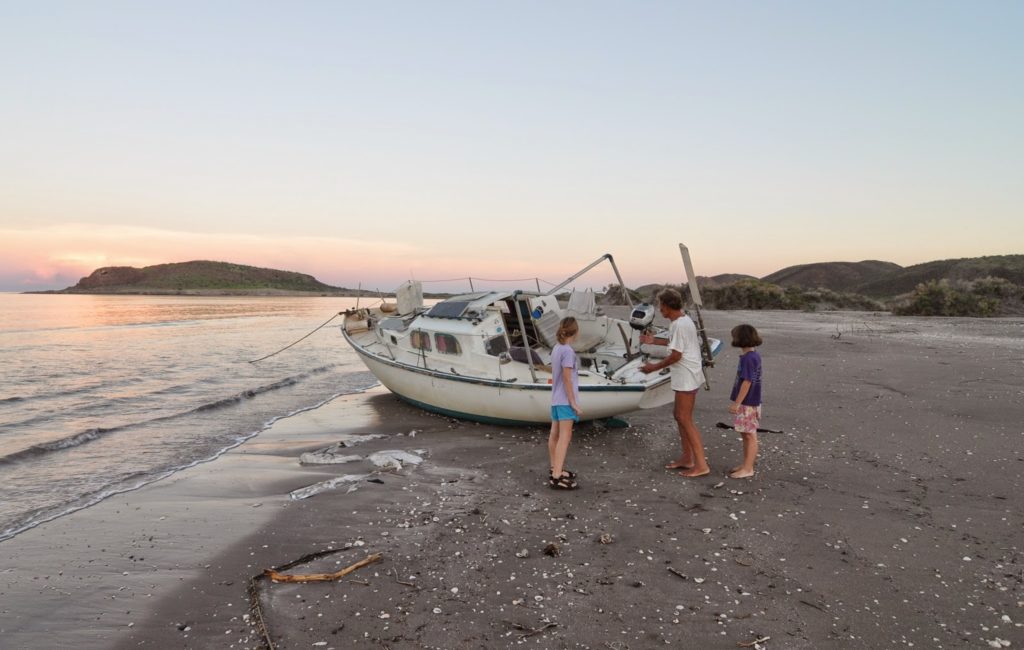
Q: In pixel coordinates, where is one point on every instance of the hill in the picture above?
(835, 276)
(648, 292)
(201, 277)
(979, 286)
(905, 280)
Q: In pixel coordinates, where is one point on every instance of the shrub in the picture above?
(941, 298)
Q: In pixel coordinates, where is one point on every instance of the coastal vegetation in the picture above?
(980, 287)
(759, 294)
(983, 297)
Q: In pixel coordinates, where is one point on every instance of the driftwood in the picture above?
(681, 575)
(322, 577)
(276, 576)
(751, 644)
(529, 630)
(817, 607)
(723, 425)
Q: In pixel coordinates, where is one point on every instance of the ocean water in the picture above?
(104, 394)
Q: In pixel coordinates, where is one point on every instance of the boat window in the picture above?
(420, 340)
(447, 344)
(496, 345)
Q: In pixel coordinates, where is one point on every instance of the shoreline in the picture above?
(886, 514)
(277, 293)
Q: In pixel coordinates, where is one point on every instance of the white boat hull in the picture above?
(500, 402)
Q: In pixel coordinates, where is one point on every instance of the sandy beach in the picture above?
(888, 514)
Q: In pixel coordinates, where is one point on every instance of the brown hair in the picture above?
(745, 336)
(567, 328)
(670, 298)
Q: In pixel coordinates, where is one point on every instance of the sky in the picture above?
(371, 143)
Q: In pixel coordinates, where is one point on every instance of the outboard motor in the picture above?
(641, 316)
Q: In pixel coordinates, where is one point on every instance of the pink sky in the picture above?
(58, 256)
(338, 139)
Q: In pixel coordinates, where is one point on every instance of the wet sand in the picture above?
(888, 514)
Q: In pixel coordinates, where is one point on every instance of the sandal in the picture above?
(567, 474)
(561, 483)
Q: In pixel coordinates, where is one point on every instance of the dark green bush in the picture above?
(942, 298)
(757, 294)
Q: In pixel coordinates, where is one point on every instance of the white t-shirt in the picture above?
(687, 373)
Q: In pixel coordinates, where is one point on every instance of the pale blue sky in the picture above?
(371, 141)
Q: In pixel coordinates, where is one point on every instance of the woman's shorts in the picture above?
(563, 412)
(748, 419)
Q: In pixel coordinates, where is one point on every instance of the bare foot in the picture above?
(735, 469)
(741, 473)
(678, 466)
(680, 463)
(694, 472)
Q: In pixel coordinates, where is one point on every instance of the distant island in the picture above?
(977, 286)
(204, 278)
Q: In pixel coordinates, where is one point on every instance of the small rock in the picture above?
(605, 538)
(552, 550)
(523, 553)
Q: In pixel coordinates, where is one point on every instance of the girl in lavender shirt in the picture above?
(565, 400)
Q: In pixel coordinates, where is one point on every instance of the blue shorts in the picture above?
(563, 412)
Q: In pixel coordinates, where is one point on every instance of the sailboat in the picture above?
(485, 355)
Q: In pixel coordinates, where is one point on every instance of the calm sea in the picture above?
(103, 394)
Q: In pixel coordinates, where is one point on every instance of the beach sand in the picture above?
(887, 514)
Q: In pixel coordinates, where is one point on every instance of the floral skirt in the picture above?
(748, 419)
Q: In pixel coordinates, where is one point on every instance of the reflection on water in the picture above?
(102, 392)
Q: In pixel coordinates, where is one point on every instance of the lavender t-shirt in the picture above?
(563, 356)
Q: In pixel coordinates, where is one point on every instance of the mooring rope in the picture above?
(340, 313)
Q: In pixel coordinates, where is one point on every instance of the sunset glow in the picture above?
(340, 141)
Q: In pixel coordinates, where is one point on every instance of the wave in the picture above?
(89, 435)
(56, 445)
(253, 392)
(43, 515)
(16, 398)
